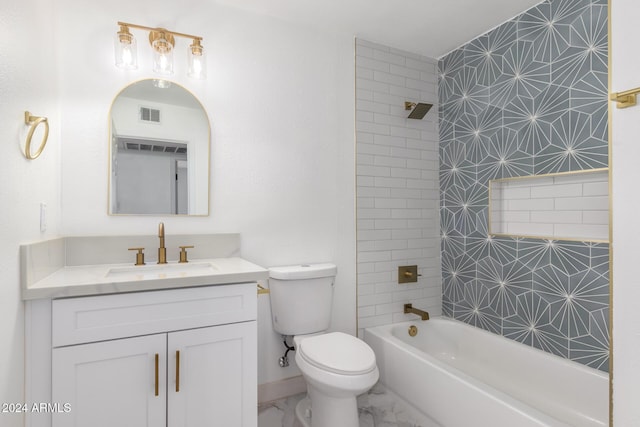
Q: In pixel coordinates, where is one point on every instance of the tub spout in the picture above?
(408, 308)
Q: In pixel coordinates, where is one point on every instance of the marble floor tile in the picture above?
(378, 408)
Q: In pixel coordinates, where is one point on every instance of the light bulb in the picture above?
(125, 49)
(197, 62)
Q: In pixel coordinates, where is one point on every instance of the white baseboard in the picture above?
(279, 389)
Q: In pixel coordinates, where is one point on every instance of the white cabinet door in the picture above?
(216, 374)
(111, 383)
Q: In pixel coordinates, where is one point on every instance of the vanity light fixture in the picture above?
(162, 42)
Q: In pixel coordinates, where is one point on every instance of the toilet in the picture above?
(337, 367)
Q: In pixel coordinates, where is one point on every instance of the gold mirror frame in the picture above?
(198, 182)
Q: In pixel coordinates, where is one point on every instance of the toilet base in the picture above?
(329, 412)
(303, 412)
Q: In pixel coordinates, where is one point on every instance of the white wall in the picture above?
(27, 82)
(626, 227)
(280, 100)
(398, 217)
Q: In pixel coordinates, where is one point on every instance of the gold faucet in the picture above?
(408, 308)
(162, 251)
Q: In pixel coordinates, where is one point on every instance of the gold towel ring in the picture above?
(33, 122)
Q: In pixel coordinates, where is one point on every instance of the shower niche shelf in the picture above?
(560, 206)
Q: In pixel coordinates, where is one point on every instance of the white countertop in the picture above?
(117, 278)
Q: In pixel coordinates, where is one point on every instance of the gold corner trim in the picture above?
(554, 238)
(611, 243)
(549, 175)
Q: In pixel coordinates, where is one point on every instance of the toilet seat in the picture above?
(338, 353)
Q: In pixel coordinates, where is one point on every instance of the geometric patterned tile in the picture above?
(529, 97)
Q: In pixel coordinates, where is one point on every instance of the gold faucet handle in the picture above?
(183, 252)
(139, 255)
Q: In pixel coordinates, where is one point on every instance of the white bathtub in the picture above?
(461, 376)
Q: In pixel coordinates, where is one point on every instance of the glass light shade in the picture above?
(162, 56)
(196, 61)
(126, 51)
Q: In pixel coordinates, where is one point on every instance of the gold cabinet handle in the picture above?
(157, 374)
(177, 371)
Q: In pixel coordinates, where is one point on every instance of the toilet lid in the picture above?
(338, 353)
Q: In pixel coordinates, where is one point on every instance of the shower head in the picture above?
(418, 111)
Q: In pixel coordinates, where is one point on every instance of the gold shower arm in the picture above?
(625, 99)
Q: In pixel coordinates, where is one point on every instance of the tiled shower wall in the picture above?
(397, 184)
(527, 98)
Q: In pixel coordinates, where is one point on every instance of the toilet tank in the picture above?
(301, 298)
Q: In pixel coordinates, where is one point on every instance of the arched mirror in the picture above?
(159, 151)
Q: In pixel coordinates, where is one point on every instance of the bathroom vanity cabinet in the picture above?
(179, 357)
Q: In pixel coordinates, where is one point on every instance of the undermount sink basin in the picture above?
(162, 271)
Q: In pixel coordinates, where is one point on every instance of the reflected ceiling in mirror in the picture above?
(159, 151)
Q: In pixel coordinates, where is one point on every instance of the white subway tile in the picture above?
(364, 116)
(406, 213)
(374, 192)
(373, 170)
(422, 65)
(390, 224)
(406, 173)
(366, 267)
(365, 159)
(374, 107)
(596, 189)
(372, 85)
(366, 289)
(367, 311)
(557, 217)
(557, 190)
(390, 203)
(596, 217)
(513, 216)
(374, 128)
(373, 45)
(404, 71)
(365, 181)
(373, 213)
(374, 256)
(406, 193)
(365, 224)
(372, 64)
(390, 161)
(386, 77)
(389, 141)
(364, 73)
(530, 204)
(509, 192)
(390, 244)
(370, 322)
(364, 95)
(374, 235)
(390, 182)
(367, 278)
(419, 84)
(389, 58)
(530, 229)
(365, 202)
(378, 150)
(583, 231)
(583, 203)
